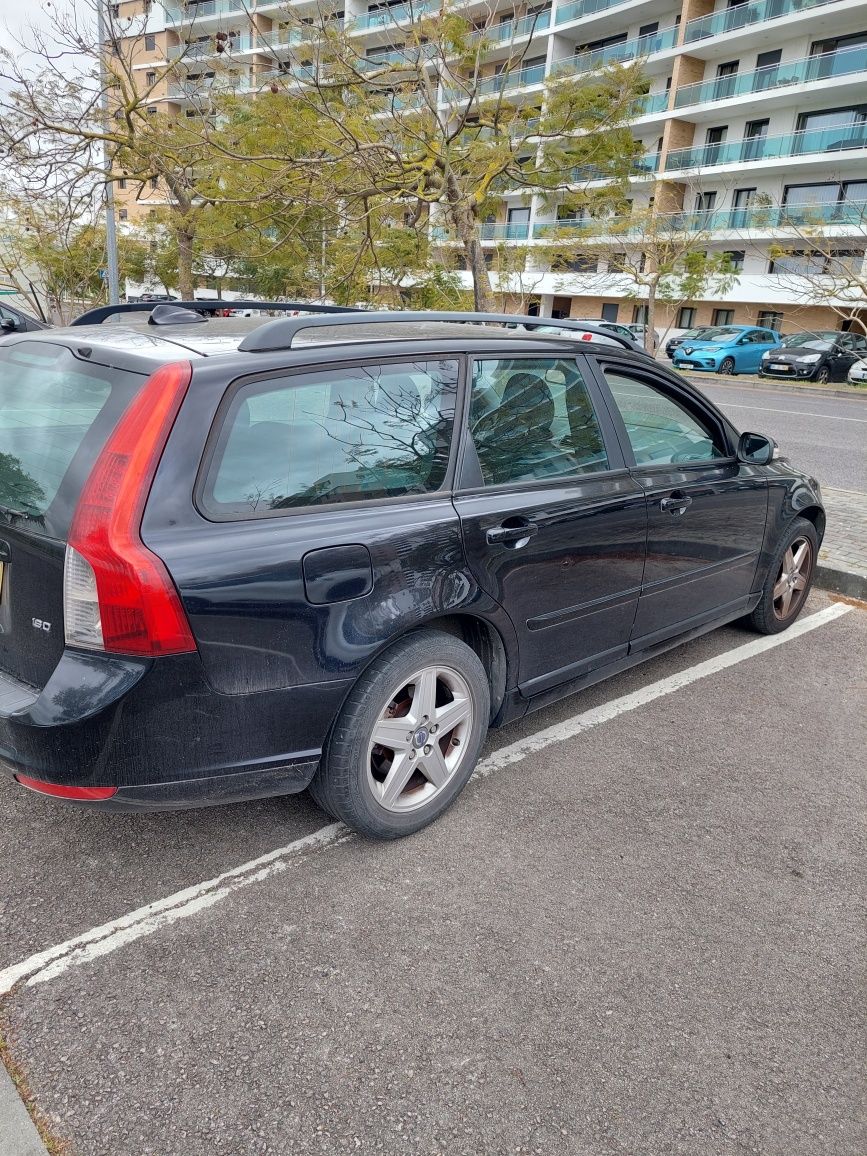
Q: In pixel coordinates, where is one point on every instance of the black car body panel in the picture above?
(832, 358)
(289, 607)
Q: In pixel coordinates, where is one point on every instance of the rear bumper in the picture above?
(160, 735)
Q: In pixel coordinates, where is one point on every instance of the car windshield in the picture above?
(719, 334)
(821, 340)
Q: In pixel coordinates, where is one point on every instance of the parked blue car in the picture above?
(727, 349)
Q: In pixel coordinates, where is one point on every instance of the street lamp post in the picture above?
(110, 226)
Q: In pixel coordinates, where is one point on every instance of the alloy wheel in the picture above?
(790, 588)
(823, 376)
(420, 739)
(727, 366)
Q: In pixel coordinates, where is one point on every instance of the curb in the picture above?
(849, 583)
(20, 1137)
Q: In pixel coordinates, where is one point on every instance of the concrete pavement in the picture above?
(644, 939)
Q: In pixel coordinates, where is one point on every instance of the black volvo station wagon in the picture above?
(245, 558)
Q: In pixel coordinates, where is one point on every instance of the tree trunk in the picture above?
(466, 227)
(185, 263)
(650, 320)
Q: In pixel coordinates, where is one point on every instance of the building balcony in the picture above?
(509, 231)
(580, 8)
(635, 49)
(748, 150)
(188, 13)
(521, 78)
(757, 219)
(514, 29)
(846, 62)
(398, 14)
(745, 15)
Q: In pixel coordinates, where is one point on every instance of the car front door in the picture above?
(553, 525)
(751, 347)
(706, 510)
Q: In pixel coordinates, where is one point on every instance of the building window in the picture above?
(152, 110)
(115, 11)
(121, 184)
(736, 258)
(770, 319)
(639, 314)
(723, 317)
(153, 182)
(150, 78)
(150, 42)
(686, 317)
(123, 214)
(609, 310)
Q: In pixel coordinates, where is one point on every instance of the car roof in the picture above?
(136, 344)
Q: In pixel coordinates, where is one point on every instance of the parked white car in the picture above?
(858, 372)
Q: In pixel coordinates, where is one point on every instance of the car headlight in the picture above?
(767, 355)
(809, 359)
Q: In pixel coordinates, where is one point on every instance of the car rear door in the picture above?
(321, 522)
(553, 525)
(706, 510)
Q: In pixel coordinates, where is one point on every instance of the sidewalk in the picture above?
(843, 556)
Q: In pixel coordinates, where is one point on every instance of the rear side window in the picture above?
(532, 419)
(56, 412)
(337, 435)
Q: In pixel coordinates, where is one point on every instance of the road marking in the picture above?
(799, 412)
(54, 961)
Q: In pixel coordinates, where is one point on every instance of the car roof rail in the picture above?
(98, 315)
(278, 335)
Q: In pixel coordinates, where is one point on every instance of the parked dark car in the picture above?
(688, 335)
(240, 559)
(826, 355)
(14, 320)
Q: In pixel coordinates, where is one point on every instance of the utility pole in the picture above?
(110, 226)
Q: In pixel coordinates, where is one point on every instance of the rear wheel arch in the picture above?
(486, 641)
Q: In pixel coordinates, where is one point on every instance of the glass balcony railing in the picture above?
(640, 167)
(813, 68)
(512, 231)
(584, 8)
(514, 29)
(743, 15)
(776, 217)
(382, 17)
(793, 144)
(190, 51)
(634, 49)
(652, 103)
(187, 13)
(764, 217)
(504, 81)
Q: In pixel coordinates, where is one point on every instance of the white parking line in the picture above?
(54, 961)
(786, 412)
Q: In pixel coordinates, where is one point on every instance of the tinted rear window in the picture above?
(56, 412)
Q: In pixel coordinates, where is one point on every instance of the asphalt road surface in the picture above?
(640, 933)
(825, 435)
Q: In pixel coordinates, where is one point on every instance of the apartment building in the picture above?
(755, 123)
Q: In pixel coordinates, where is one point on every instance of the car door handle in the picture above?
(506, 534)
(676, 504)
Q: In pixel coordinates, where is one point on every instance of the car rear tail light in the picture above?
(91, 794)
(117, 594)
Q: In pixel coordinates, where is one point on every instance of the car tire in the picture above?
(727, 366)
(781, 601)
(823, 375)
(425, 677)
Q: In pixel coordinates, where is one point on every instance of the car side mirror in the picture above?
(8, 324)
(755, 449)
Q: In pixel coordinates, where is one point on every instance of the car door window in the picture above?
(340, 435)
(660, 429)
(532, 418)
